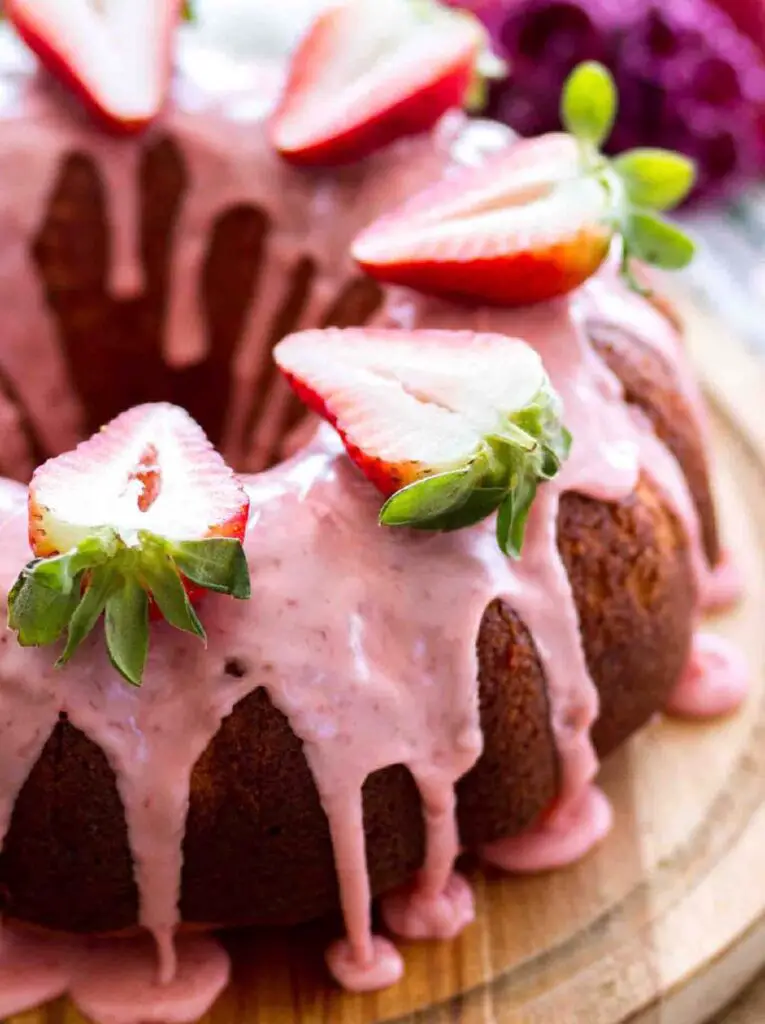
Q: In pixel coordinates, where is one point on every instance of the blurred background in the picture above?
(691, 77)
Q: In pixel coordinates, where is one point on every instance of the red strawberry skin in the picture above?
(412, 115)
(386, 476)
(19, 14)
(388, 119)
(513, 280)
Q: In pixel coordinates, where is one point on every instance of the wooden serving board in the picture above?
(661, 925)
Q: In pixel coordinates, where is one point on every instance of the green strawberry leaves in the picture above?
(127, 629)
(220, 566)
(103, 575)
(655, 178)
(642, 182)
(502, 477)
(88, 610)
(589, 103)
(38, 612)
(433, 497)
(657, 242)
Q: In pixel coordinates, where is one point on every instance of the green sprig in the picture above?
(104, 575)
(641, 182)
(502, 477)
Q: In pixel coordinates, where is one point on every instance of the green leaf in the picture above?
(555, 452)
(589, 103)
(655, 178)
(513, 514)
(36, 612)
(429, 498)
(218, 563)
(657, 242)
(60, 572)
(163, 580)
(479, 506)
(88, 611)
(127, 629)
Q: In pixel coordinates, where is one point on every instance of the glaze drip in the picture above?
(715, 681)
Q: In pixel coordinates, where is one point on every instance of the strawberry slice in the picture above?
(536, 221)
(368, 72)
(115, 56)
(135, 512)
(449, 426)
(524, 227)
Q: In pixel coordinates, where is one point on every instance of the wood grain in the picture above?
(663, 924)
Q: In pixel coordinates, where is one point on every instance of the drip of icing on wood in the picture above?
(562, 836)
(715, 681)
(111, 981)
(725, 585)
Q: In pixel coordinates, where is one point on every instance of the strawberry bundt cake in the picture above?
(393, 685)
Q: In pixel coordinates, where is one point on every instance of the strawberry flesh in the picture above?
(526, 226)
(409, 405)
(152, 468)
(367, 73)
(116, 60)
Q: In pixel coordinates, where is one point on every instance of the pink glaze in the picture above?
(414, 913)
(33, 970)
(715, 682)
(370, 674)
(117, 983)
(110, 981)
(725, 585)
(558, 839)
(381, 966)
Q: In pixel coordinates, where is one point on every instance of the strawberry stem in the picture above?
(104, 575)
(502, 476)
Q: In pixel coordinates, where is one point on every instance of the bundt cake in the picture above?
(386, 697)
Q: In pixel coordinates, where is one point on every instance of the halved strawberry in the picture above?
(115, 56)
(368, 72)
(141, 508)
(537, 220)
(526, 226)
(450, 426)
